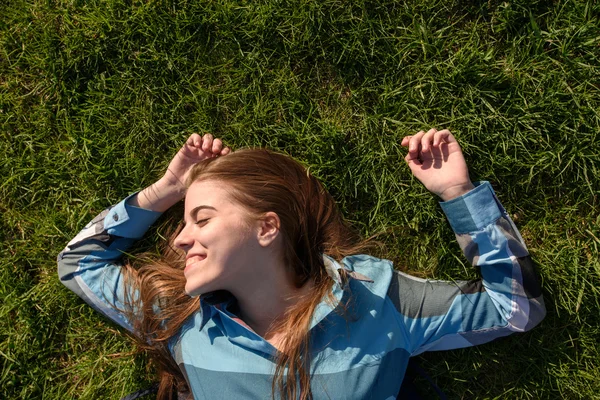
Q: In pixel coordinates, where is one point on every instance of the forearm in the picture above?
(90, 263)
(160, 196)
(491, 241)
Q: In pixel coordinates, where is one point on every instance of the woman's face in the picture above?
(218, 239)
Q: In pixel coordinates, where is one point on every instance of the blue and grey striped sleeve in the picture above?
(90, 263)
(440, 315)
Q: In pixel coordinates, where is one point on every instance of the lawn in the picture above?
(96, 96)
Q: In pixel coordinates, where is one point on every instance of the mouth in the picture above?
(193, 260)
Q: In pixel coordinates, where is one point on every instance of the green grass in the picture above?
(95, 97)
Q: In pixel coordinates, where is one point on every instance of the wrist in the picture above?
(170, 187)
(455, 191)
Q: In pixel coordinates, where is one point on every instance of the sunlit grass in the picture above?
(95, 97)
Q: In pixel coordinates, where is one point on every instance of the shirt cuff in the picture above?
(474, 210)
(125, 220)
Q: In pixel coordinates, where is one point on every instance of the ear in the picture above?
(268, 229)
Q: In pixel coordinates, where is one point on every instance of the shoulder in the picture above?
(375, 273)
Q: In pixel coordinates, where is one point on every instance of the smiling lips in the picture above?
(191, 260)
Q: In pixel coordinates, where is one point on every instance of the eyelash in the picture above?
(202, 221)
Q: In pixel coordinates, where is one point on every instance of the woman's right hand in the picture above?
(171, 188)
(197, 148)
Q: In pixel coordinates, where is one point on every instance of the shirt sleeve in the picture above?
(90, 264)
(442, 315)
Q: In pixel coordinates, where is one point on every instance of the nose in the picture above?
(183, 240)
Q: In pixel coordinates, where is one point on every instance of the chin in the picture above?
(196, 290)
(193, 291)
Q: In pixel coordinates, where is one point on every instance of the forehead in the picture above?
(209, 193)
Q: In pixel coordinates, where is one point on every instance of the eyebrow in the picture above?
(195, 210)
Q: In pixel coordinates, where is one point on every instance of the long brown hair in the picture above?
(311, 225)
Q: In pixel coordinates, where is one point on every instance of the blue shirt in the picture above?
(360, 355)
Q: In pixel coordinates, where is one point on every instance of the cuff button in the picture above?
(115, 217)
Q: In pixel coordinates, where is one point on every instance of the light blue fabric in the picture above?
(359, 354)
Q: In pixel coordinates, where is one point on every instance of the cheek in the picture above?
(227, 244)
(211, 236)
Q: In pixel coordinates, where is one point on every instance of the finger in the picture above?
(414, 144)
(217, 146)
(207, 141)
(443, 136)
(412, 161)
(405, 141)
(225, 151)
(194, 140)
(426, 139)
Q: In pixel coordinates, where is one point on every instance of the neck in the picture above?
(264, 301)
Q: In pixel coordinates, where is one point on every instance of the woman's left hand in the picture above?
(435, 158)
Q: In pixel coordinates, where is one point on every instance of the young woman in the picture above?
(263, 291)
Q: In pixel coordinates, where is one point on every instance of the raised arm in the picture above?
(440, 315)
(90, 264)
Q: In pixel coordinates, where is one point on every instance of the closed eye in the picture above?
(202, 221)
